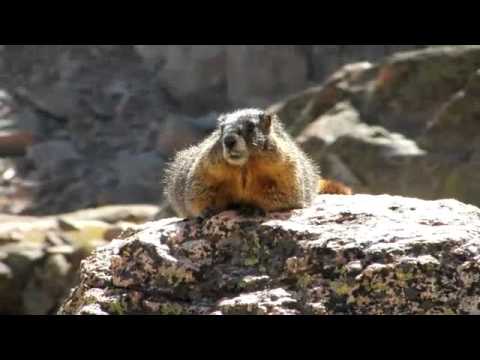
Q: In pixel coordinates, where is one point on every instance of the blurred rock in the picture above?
(115, 213)
(257, 73)
(40, 257)
(411, 87)
(195, 75)
(405, 126)
(48, 284)
(455, 125)
(177, 132)
(154, 55)
(53, 156)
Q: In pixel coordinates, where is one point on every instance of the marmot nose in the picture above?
(230, 141)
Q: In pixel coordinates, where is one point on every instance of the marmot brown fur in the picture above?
(248, 161)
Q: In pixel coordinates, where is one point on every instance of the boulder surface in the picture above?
(360, 254)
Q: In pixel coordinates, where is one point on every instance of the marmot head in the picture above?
(244, 132)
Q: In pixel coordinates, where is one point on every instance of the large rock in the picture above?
(411, 87)
(357, 254)
(327, 59)
(299, 110)
(455, 125)
(405, 126)
(345, 147)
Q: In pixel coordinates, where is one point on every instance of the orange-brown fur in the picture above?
(246, 185)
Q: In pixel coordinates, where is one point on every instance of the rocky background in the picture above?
(97, 122)
(88, 126)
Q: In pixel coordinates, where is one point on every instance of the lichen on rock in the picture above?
(360, 254)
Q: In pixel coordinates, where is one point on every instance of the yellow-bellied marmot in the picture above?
(248, 161)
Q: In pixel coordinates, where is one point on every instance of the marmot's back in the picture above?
(177, 177)
(250, 160)
(178, 173)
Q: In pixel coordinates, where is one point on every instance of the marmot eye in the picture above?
(250, 126)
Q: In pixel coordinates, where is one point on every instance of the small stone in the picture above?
(117, 230)
(67, 225)
(55, 239)
(354, 267)
(5, 272)
(58, 267)
(61, 249)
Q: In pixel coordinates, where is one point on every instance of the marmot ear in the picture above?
(266, 120)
